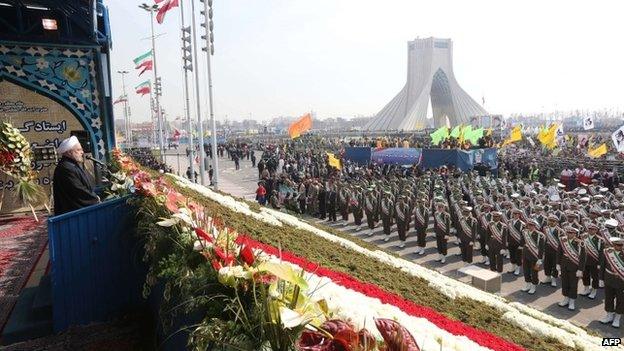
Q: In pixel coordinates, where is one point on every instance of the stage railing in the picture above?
(97, 273)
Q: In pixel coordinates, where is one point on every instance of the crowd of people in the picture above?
(554, 219)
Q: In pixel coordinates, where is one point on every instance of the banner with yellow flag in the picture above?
(302, 125)
(597, 152)
(548, 137)
(333, 161)
(515, 135)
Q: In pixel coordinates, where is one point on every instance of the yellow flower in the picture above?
(71, 74)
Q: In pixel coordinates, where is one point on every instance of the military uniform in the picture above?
(442, 227)
(484, 222)
(533, 246)
(514, 242)
(572, 260)
(370, 208)
(355, 206)
(467, 233)
(402, 215)
(387, 214)
(613, 270)
(552, 232)
(593, 248)
(421, 222)
(497, 242)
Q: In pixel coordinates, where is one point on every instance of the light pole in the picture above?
(125, 107)
(151, 10)
(209, 49)
(187, 65)
(200, 124)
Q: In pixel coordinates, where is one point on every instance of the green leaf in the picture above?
(284, 272)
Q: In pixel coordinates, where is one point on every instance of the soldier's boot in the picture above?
(565, 302)
(513, 268)
(346, 223)
(586, 291)
(532, 290)
(517, 271)
(616, 321)
(547, 280)
(601, 283)
(571, 305)
(359, 227)
(370, 232)
(553, 282)
(527, 287)
(487, 261)
(592, 294)
(608, 318)
(402, 244)
(386, 238)
(507, 254)
(422, 251)
(439, 258)
(443, 260)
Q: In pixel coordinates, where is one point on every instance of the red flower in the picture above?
(397, 338)
(226, 259)
(216, 264)
(203, 235)
(247, 255)
(481, 337)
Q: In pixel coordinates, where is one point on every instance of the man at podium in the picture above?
(73, 187)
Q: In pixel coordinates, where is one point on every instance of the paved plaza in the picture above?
(242, 183)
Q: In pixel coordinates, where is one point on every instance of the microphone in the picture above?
(89, 157)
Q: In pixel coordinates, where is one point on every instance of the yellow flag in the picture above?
(333, 161)
(597, 152)
(515, 135)
(548, 137)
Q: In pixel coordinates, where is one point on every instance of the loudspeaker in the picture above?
(83, 138)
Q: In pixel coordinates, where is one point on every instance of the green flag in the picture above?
(474, 135)
(455, 131)
(439, 135)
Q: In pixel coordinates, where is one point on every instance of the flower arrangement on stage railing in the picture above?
(15, 162)
(248, 300)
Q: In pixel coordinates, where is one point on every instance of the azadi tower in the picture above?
(429, 75)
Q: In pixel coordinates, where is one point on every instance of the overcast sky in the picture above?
(343, 58)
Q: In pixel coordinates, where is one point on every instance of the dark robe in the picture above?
(73, 187)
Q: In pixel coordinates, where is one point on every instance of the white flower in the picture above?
(290, 318)
(85, 93)
(42, 63)
(169, 222)
(197, 246)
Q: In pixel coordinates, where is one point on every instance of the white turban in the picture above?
(67, 145)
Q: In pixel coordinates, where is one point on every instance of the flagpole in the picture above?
(187, 113)
(200, 124)
(151, 10)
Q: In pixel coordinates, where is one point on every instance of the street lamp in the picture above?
(125, 107)
(158, 91)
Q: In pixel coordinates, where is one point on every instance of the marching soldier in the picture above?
(497, 242)
(402, 214)
(613, 269)
(442, 224)
(593, 248)
(421, 222)
(467, 234)
(516, 227)
(355, 206)
(343, 204)
(572, 258)
(552, 232)
(370, 208)
(533, 245)
(484, 222)
(387, 213)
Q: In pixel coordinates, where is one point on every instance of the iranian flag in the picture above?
(121, 98)
(143, 88)
(164, 8)
(144, 62)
